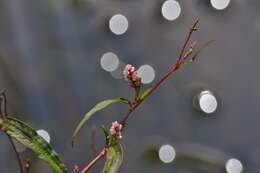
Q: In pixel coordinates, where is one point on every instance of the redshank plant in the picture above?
(113, 150)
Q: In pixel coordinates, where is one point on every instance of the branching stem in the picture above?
(137, 102)
(3, 115)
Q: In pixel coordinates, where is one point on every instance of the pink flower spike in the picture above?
(130, 75)
(129, 69)
(115, 129)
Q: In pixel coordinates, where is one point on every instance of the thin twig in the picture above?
(189, 51)
(168, 74)
(3, 115)
(93, 162)
(192, 29)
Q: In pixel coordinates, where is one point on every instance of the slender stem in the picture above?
(3, 116)
(192, 29)
(19, 159)
(123, 121)
(93, 162)
(152, 89)
(168, 74)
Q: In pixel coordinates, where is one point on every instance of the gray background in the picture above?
(50, 52)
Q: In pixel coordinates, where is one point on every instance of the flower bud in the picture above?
(130, 75)
(115, 129)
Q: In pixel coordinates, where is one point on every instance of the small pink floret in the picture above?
(115, 129)
(130, 75)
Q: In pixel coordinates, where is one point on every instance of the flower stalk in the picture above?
(94, 161)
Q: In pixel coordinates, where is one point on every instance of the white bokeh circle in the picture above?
(118, 73)
(171, 10)
(208, 102)
(234, 166)
(220, 4)
(44, 134)
(167, 153)
(147, 73)
(118, 24)
(109, 61)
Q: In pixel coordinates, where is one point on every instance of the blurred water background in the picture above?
(50, 54)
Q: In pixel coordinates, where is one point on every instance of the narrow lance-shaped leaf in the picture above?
(114, 159)
(27, 136)
(96, 108)
(193, 58)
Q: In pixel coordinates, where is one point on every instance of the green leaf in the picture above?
(114, 159)
(193, 58)
(96, 108)
(27, 136)
(145, 94)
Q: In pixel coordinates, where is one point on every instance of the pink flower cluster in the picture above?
(75, 169)
(115, 129)
(130, 75)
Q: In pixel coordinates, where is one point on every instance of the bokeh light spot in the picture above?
(147, 74)
(171, 10)
(118, 24)
(109, 61)
(208, 102)
(118, 73)
(234, 166)
(44, 134)
(220, 4)
(167, 153)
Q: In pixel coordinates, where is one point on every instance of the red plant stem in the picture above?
(3, 116)
(168, 74)
(192, 29)
(136, 103)
(131, 109)
(19, 159)
(93, 162)
(152, 89)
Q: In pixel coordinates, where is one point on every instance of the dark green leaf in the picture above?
(27, 136)
(96, 108)
(114, 159)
